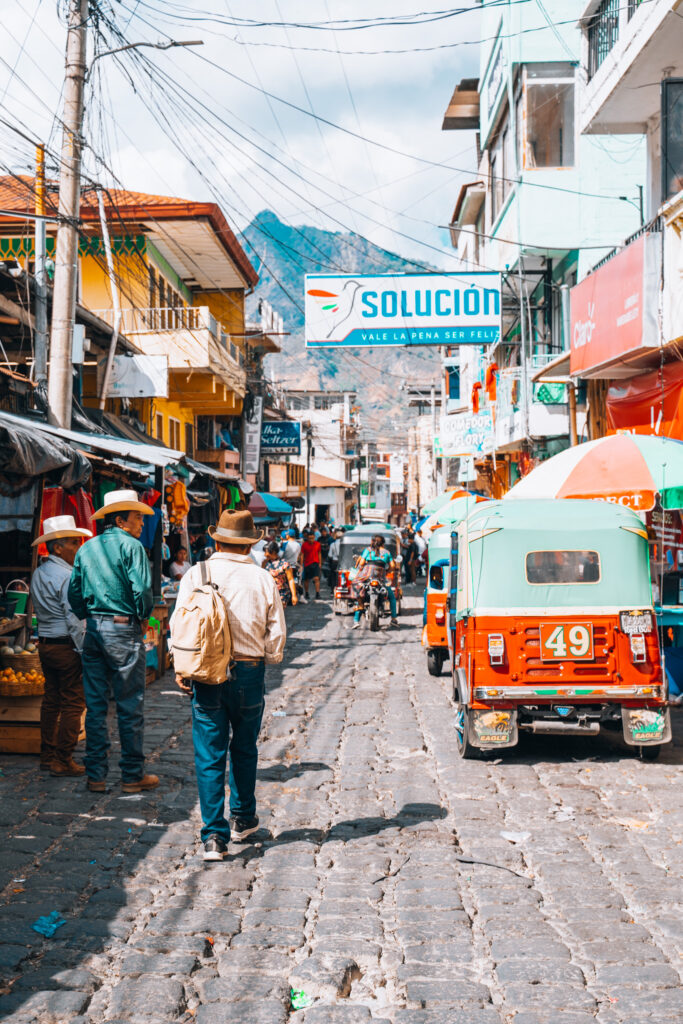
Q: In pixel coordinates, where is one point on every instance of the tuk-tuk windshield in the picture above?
(545, 554)
(354, 544)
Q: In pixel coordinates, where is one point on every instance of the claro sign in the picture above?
(368, 311)
(614, 309)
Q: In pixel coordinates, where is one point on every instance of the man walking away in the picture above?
(226, 718)
(111, 588)
(60, 641)
(333, 559)
(312, 555)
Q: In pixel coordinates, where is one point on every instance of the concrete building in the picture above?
(546, 204)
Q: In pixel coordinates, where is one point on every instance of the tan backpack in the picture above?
(201, 642)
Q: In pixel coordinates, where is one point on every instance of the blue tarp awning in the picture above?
(266, 508)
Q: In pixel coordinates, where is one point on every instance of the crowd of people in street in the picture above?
(92, 602)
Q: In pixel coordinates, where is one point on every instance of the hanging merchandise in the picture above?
(491, 381)
(476, 391)
(176, 500)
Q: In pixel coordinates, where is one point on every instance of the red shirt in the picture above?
(311, 551)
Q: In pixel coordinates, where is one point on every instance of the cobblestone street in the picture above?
(390, 881)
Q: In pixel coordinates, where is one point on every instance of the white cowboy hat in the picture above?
(122, 501)
(60, 526)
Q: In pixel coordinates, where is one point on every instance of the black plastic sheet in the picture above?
(28, 453)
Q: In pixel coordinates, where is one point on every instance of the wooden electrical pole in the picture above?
(40, 361)
(60, 376)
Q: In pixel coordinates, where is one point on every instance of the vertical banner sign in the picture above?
(373, 310)
(252, 438)
(396, 474)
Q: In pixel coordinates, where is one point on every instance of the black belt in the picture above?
(56, 640)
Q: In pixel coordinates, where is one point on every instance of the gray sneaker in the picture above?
(215, 848)
(241, 828)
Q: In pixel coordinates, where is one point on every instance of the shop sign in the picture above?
(465, 434)
(396, 473)
(380, 310)
(614, 309)
(495, 80)
(136, 376)
(252, 437)
(281, 436)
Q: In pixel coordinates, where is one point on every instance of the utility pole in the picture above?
(433, 404)
(40, 245)
(60, 379)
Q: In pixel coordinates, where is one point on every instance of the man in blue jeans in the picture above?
(111, 587)
(226, 717)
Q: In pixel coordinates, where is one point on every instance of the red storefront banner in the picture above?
(614, 309)
(651, 403)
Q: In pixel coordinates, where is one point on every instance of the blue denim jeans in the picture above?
(113, 663)
(227, 719)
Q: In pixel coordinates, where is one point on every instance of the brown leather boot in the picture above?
(97, 785)
(146, 782)
(66, 768)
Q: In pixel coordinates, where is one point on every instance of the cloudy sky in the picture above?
(181, 122)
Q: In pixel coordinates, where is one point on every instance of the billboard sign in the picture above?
(614, 309)
(281, 437)
(464, 434)
(136, 376)
(380, 310)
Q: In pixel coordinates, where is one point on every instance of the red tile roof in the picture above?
(17, 194)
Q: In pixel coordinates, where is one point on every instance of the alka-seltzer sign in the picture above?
(281, 436)
(368, 311)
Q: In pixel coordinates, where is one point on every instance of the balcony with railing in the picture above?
(190, 336)
(548, 408)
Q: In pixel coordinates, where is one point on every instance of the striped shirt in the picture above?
(255, 612)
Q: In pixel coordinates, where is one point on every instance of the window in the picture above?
(159, 426)
(603, 32)
(174, 434)
(672, 137)
(633, 6)
(189, 440)
(453, 382)
(553, 567)
(549, 116)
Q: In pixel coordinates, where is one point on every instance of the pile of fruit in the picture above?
(8, 675)
(8, 648)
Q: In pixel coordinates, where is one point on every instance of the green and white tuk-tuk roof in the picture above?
(496, 537)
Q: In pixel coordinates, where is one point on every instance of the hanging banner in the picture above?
(252, 438)
(281, 436)
(136, 376)
(379, 310)
(465, 433)
(396, 483)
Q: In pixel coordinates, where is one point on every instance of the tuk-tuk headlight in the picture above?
(638, 649)
(636, 622)
(496, 648)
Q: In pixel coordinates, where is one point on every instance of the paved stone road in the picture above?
(366, 885)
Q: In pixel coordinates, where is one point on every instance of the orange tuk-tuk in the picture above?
(551, 626)
(351, 547)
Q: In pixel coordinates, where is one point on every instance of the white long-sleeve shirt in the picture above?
(255, 612)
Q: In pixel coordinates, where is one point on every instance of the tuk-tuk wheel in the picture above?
(462, 727)
(650, 752)
(435, 662)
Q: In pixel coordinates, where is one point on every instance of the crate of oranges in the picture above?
(18, 683)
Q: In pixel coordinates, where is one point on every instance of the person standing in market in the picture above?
(111, 588)
(282, 572)
(226, 716)
(60, 641)
(312, 556)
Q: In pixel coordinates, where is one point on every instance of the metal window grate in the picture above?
(633, 6)
(603, 32)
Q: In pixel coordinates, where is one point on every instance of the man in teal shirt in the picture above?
(111, 588)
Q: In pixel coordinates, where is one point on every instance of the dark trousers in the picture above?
(227, 719)
(63, 702)
(114, 662)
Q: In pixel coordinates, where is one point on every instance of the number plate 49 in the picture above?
(573, 642)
